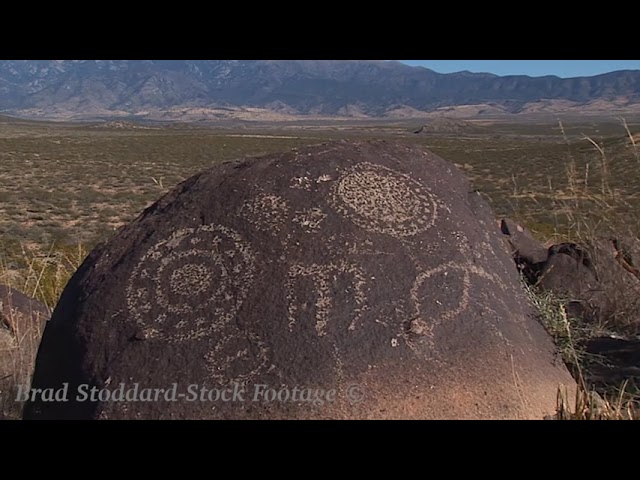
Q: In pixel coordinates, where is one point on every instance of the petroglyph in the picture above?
(325, 278)
(237, 357)
(429, 311)
(365, 247)
(315, 269)
(383, 200)
(206, 270)
(190, 279)
(266, 212)
(313, 291)
(310, 219)
(301, 183)
(483, 253)
(324, 178)
(484, 248)
(339, 365)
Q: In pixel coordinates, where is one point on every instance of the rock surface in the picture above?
(523, 245)
(528, 253)
(365, 264)
(613, 361)
(568, 271)
(599, 278)
(22, 321)
(599, 283)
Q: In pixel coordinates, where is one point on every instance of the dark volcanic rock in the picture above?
(615, 360)
(569, 273)
(568, 270)
(528, 253)
(349, 263)
(524, 246)
(22, 321)
(600, 278)
(19, 312)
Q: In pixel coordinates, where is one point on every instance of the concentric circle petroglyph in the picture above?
(383, 200)
(190, 279)
(191, 283)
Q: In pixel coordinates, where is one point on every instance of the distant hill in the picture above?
(280, 89)
(5, 119)
(450, 125)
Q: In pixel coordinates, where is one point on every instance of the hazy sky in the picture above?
(536, 68)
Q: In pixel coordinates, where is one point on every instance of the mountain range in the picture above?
(282, 89)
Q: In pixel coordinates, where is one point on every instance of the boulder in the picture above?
(365, 270)
(568, 271)
(612, 362)
(524, 246)
(598, 278)
(615, 263)
(22, 321)
(21, 315)
(528, 253)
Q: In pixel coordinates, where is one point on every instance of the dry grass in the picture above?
(67, 188)
(569, 335)
(589, 405)
(594, 215)
(631, 138)
(40, 276)
(72, 183)
(610, 221)
(18, 351)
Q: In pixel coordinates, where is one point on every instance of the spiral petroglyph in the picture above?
(195, 274)
(383, 200)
